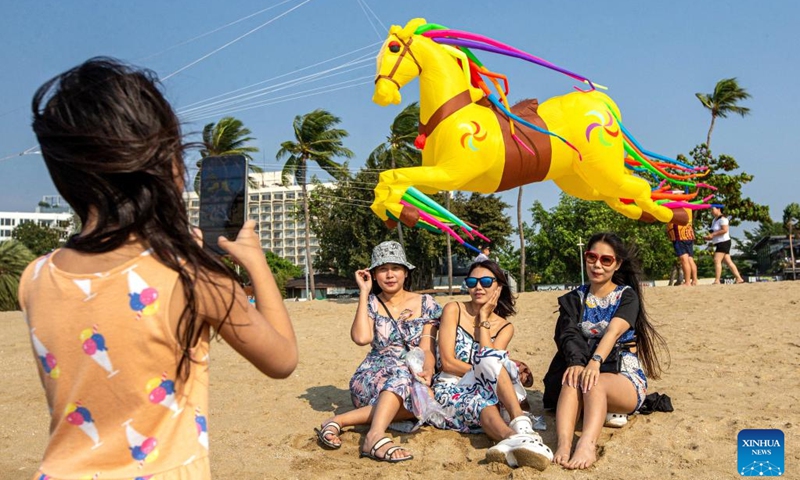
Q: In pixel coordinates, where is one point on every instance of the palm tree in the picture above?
(791, 215)
(14, 257)
(226, 137)
(398, 150)
(315, 139)
(723, 101)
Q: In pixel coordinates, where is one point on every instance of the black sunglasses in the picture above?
(486, 282)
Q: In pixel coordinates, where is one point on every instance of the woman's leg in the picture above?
(389, 407)
(507, 395)
(613, 392)
(567, 414)
(494, 425)
(359, 416)
(718, 256)
(732, 266)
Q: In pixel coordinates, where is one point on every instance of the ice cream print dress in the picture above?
(116, 413)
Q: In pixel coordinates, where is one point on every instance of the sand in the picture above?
(735, 356)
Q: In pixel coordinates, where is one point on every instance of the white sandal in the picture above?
(616, 420)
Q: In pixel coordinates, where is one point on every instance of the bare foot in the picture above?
(584, 457)
(740, 281)
(561, 456)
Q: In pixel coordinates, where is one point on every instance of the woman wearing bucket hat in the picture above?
(392, 320)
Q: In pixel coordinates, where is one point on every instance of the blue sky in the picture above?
(654, 56)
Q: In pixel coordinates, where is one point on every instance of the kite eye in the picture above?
(394, 47)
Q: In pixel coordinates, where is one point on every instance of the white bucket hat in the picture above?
(389, 252)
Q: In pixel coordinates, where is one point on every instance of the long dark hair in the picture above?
(114, 149)
(648, 341)
(506, 303)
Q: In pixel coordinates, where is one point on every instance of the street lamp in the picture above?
(580, 249)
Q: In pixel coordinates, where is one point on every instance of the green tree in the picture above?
(226, 137)
(723, 101)
(554, 236)
(14, 257)
(316, 140)
(749, 255)
(37, 238)
(791, 216)
(398, 151)
(283, 270)
(486, 213)
(729, 189)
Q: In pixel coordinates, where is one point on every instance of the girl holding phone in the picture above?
(121, 317)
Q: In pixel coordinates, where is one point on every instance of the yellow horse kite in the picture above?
(470, 142)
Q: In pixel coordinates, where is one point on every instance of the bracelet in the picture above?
(426, 335)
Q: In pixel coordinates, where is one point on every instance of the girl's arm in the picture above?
(615, 329)
(427, 343)
(447, 342)
(363, 327)
(263, 335)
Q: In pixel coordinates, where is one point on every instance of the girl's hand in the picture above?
(364, 280)
(246, 249)
(488, 308)
(572, 377)
(589, 376)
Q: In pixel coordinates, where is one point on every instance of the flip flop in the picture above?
(387, 455)
(323, 431)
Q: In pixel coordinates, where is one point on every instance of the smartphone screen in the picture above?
(223, 194)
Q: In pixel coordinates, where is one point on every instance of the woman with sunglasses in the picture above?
(475, 374)
(596, 320)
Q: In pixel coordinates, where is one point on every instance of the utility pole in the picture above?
(580, 249)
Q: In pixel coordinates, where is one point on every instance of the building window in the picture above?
(290, 196)
(278, 208)
(195, 203)
(253, 198)
(254, 210)
(266, 196)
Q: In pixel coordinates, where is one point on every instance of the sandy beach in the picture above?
(735, 355)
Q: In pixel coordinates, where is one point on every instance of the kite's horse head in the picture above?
(397, 64)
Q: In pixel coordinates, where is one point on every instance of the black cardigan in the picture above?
(573, 349)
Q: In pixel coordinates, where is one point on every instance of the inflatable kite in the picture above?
(472, 140)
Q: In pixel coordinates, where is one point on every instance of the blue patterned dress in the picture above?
(596, 317)
(385, 366)
(467, 396)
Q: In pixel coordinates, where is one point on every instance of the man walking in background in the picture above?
(682, 237)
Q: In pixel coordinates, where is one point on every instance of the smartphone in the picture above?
(223, 198)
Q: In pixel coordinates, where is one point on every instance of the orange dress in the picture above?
(107, 357)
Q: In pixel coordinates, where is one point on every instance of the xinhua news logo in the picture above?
(760, 453)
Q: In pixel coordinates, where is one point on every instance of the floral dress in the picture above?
(596, 317)
(467, 396)
(385, 366)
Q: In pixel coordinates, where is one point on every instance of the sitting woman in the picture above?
(475, 374)
(392, 320)
(606, 347)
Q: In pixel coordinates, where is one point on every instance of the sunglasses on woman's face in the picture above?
(605, 260)
(486, 282)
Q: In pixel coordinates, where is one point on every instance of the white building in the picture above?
(11, 220)
(272, 206)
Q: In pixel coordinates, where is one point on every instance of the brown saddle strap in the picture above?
(445, 110)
